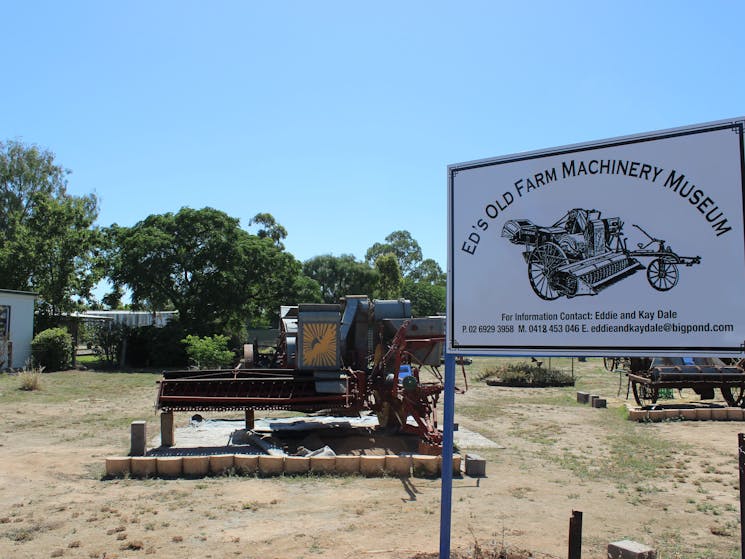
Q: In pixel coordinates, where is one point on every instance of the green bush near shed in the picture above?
(209, 352)
(52, 349)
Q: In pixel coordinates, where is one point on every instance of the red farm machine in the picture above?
(354, 356)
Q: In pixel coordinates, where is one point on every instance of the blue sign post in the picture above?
(446, 498)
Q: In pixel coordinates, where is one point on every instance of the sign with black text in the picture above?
(632, 246)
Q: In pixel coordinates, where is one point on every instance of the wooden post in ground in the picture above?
(167, 433)
(138, 438)
(575, 535)
(249, 420)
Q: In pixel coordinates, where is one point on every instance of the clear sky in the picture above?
(339, 118)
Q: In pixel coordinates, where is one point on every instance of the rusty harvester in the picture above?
(358, 355)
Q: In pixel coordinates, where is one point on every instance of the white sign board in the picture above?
(627, 246)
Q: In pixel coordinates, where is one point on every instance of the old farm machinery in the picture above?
(648, 377)
(583, 253)
(358, 355)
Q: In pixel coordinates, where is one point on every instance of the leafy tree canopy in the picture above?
(426, 299)
(218, 276)
(428, 271)
(269, 228)
(339, 276)
(409, 256)
(389, 274)
(49, 244)
(400, 243)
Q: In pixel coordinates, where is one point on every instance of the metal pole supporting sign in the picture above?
(447, 457)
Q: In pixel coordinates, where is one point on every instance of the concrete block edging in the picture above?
(266, 465)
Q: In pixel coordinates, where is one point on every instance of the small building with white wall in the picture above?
(16, 327)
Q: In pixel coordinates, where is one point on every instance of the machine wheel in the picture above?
(734, 396)
(543, 264)
(644, 394)
(662, 274)
(610, 363)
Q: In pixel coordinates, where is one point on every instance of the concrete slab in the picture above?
(347, 465)
(475, 465)
(425, 465)
(143, 466)
(372, 466)
(628, 549)
(271, 465)
(117, 465)
(221, 463)
(246, 464)
(196, 466)
(296, 464)
(169, 466)
(464, 438)
(208, 446)
(399, 466)
(323, 464)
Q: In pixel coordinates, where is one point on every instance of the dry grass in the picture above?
(30, 379)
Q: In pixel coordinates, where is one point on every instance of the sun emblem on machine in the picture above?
(581, 254)
(319, 344)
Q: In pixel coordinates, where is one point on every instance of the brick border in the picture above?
(686, 414)
(169, 467)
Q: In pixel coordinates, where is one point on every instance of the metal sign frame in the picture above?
(467, 239)
(586, 218)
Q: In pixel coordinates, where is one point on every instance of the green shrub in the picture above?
(526, 374)
(52, 349)
(209, 352)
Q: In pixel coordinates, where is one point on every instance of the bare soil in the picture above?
(671, 485)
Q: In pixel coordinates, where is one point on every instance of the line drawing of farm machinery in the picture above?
(649, 376)
(582, 253)
(355, 356)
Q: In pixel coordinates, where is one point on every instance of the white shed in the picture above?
(16, 327)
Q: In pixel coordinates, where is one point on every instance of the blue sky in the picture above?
(339, 118)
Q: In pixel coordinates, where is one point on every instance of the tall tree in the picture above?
(427, 299)
(341, 275)
(428, 271)
(200, 262)
(48, 243)
(269, 228)
(407, 251)
(390, 281)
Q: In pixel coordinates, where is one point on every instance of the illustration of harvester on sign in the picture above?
(582, 253)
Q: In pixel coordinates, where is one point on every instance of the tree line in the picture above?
(219, 277)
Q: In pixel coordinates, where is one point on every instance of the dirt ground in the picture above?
(670, 485)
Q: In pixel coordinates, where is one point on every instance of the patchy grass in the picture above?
(546, 437)
(91, 361)
(70, 386)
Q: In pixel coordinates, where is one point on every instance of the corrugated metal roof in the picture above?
(133, 319)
